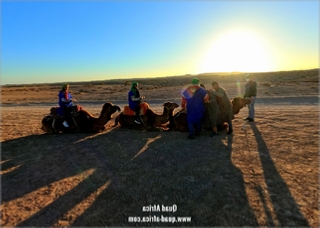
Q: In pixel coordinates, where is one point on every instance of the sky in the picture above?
(66, 41)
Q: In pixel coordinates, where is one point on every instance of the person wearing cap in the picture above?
(224, 104)
(134, 101)
(65, 102)
(250, 93)
(193, 99)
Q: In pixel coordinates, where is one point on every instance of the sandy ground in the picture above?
(265, 174)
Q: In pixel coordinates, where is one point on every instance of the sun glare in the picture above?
(236, 50)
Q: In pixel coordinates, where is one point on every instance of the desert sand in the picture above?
(265, 174)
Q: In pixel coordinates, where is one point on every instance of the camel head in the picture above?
(110, 108)
(238, 103)
(170, 105)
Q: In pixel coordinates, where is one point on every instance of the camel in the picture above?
(179, 120)
(52, 123)
(83, 121)
(150, 120)
(238, 103)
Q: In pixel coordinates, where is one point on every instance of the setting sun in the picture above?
(236, 50)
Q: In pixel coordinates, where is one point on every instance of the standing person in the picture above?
(251, 93)
(65, 103)
(134, 101)
(211, 113)
(224, 104)
(193, 99)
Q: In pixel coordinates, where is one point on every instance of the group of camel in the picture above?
(82, 121)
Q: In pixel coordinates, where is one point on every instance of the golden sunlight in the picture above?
(237, 50)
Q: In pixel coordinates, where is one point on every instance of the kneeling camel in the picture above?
(179, 120)
(82, 121)
(150, 120)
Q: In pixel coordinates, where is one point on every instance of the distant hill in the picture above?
(206, 78)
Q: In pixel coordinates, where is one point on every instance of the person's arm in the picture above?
(206, 98)
(219, 93)
(66, 98)
(254, 89)
(135, 98)
(183, 103)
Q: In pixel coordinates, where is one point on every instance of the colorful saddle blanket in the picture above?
(143, 108)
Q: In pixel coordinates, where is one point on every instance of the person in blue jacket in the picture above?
(65, 102)
(134, 101)
(193, 99)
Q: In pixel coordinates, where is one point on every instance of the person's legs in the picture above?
(251, 108)
(191, 130)
(230, 127)
(198, 127)
(54, 123)
(214, 132)
(215, 121)
(66, 116)
(137, 112)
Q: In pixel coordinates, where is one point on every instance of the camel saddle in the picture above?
(143, 108)
(74, 111)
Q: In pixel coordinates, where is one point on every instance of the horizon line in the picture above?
(132, 78)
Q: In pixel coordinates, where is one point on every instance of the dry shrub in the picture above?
(266, 83)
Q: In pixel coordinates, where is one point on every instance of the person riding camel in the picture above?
(134, 101)
(65, 103)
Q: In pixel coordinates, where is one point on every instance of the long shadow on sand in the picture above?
(35, 162)
(284, 205)
(134, 170)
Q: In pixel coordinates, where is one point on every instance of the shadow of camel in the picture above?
(130, 170)
(35, 162)
(285, 207)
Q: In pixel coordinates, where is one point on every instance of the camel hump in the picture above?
(88, 114)
(78, 108)
(143, 108)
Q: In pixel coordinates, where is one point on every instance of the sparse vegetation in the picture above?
(266, 84)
